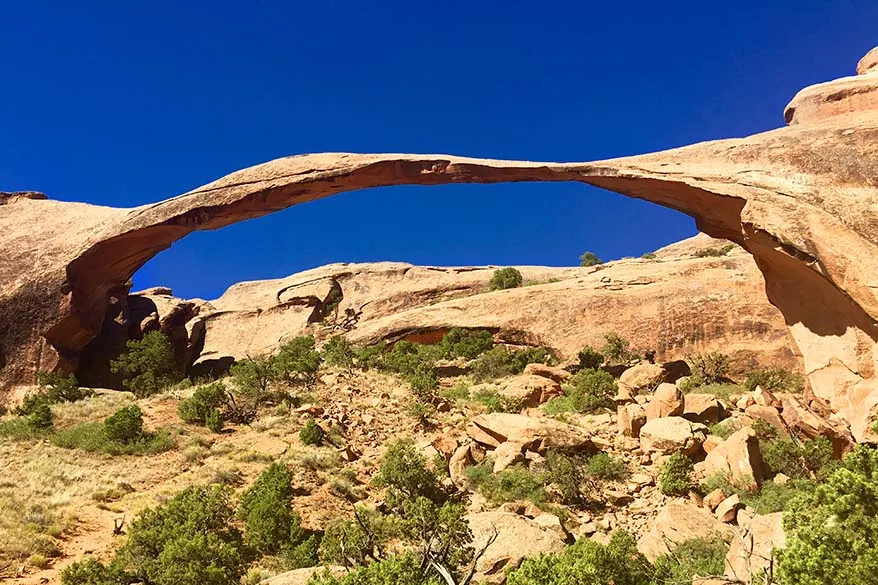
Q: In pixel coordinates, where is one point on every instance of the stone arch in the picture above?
(803, 200)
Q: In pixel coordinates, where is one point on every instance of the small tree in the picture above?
(588, 563)
(708, 368)
(832, 532)
(206, 401)
(61, 388)
(590, 259)
(312, 433)
(616, 348)
(125, 425)
(338, 352)
(467, 343)
(505, 278)
(40, 417)
(695, 557)
(676, 476)
(590, 358)
(254, 377)
(271, 524)
(148, 364)
(190, 540)
(297, 361)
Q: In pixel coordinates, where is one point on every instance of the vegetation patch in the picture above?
(505, 278)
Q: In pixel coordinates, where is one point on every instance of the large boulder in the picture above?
(767, 414)
(672, 434)
(531, 390)
(643, 377)
(678, 522)
(803, 421)
(552, 373)
(302, 576)
(536, 434)
(703, 408)
(667, 401)
(738, 458)
(515, 539)
(754, 548)
(630, 419)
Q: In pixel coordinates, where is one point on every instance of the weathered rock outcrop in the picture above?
(675, 305)
(803, 200)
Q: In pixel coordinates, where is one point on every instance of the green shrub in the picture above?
(590, 358)
(714, 252)
(405, 474)
(676, 476)
(371, 356)
(339, 353)
(215, 420)
(297, 361)
(696, 557)
(567, 472)
(254, 377)
(418, 516)
(493, 401)
(312, 433)
(125, 425)
(31, 402)
(774, 380)
(590, 259)
(459, 391)
(708, 368)
(466, 343)
(587, 563)
(500, 362)
(93, 572)
(190, 540)
(649, 256)
(148, 364)
(351, 543)
(800, 460)
(205, 401)
(20, 429)
(404, 569)
(422, 412)
(606, 467)
(511, 484)
(41, 417)
(270, 524)
(423, 384)
(93, 437)
(61, 388)
(722, 390)
(505, 278)
(773, 497)
(832, 532)
(587, 391)
(616, 348)
(724, 429)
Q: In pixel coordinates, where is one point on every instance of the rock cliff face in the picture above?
(803, 200)
(674, 304)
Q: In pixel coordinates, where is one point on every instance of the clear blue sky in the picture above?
(123, 103)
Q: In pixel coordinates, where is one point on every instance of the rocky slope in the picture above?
(802, 200)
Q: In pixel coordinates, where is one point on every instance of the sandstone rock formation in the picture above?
(675, 305)
(515, 538)
(678, 522)
(803, 200)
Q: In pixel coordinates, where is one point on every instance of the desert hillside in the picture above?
(704, 414)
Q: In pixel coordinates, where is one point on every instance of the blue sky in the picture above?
(122, 103)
